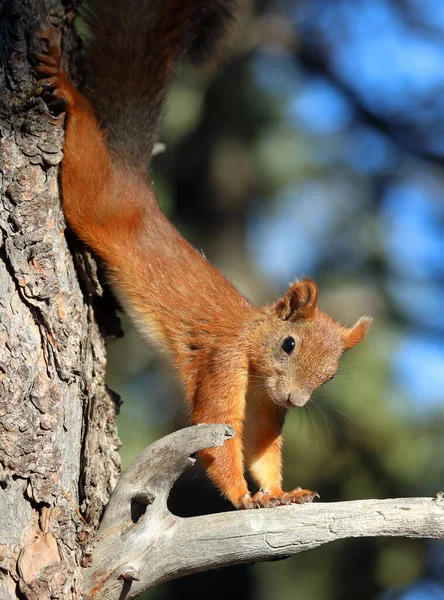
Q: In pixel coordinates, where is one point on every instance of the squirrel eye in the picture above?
(288, 345)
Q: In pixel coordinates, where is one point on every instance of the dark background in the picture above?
(317, 149)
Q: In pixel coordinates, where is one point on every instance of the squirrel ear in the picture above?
(352, 337)
(299, 302)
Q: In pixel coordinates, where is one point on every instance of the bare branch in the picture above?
(140, 543)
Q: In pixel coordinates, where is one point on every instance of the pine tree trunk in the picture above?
(58, 460)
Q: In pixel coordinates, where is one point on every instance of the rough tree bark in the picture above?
(57, 434)
(58, 460)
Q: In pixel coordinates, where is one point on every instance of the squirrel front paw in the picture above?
(246, 502)
(263, 499)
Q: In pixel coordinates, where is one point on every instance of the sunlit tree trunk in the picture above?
(58, 460)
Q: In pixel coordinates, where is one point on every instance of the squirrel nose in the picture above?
(298, 398)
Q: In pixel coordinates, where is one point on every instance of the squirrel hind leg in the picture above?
(64, 96)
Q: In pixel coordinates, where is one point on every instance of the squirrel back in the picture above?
(132, 49)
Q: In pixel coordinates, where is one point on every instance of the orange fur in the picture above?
(222, 346)
(263, 441)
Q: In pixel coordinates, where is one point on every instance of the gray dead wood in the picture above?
(140, 543)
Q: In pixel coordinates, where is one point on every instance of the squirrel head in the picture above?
(299, 345)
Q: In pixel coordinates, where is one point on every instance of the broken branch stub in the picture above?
(136, 518)
(141, 544)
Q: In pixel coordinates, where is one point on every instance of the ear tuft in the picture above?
(299, 302)
(352, 337)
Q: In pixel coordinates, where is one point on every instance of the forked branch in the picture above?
(140, 543)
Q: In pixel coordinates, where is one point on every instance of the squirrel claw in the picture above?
(246, 502)
(45, 62)
(62, 95)
(266, 500)
(46, 84)
(300, 496)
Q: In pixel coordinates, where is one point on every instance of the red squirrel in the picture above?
(221, 345)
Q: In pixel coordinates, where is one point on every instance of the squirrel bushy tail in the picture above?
(132, 49)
